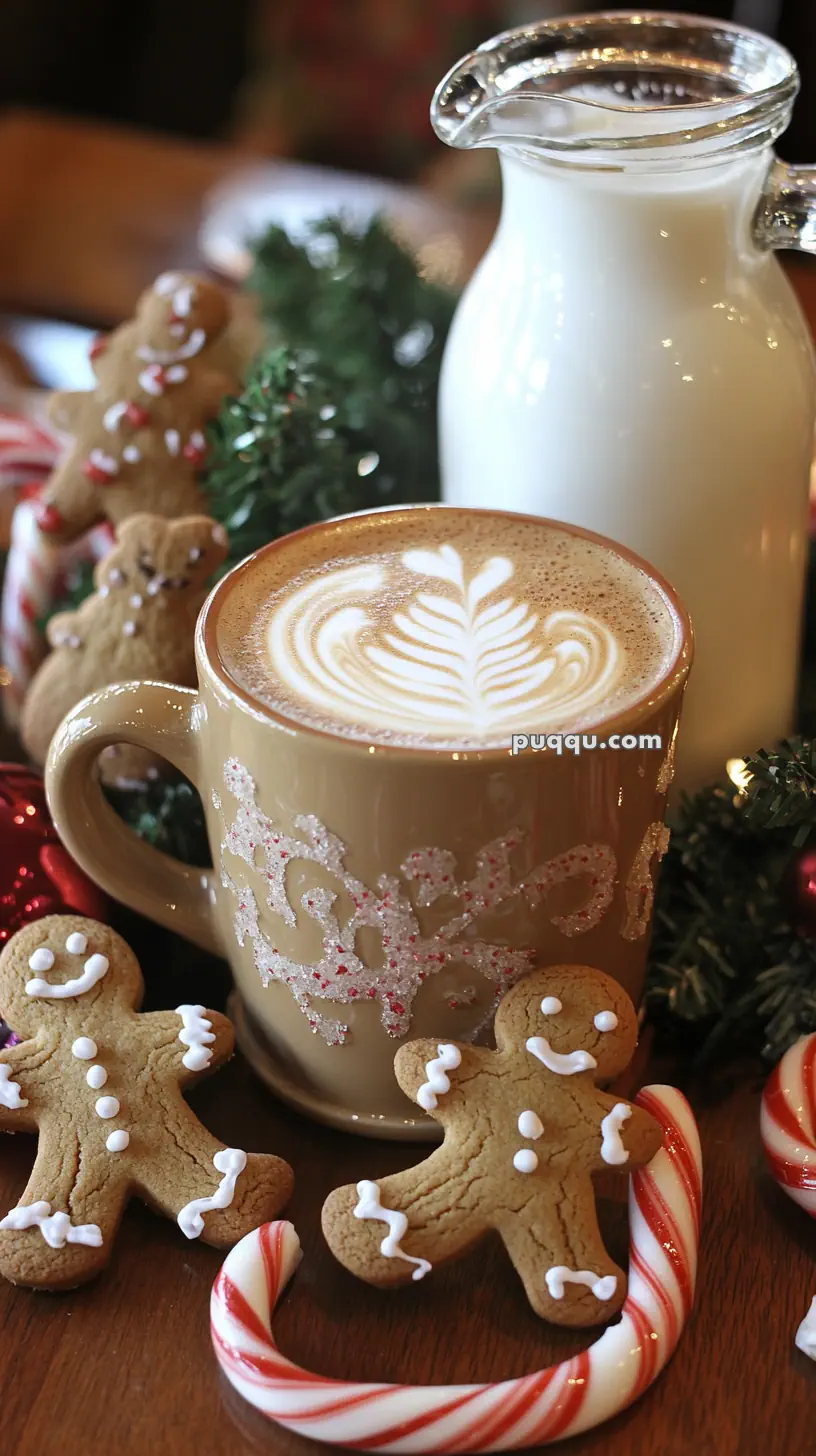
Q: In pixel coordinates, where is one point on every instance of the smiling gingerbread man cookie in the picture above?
(139, 439)
(102, 1085)
(525, 1128)
(139, 622)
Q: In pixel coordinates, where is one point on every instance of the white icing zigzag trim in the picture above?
(438, 1083)
(369, 1206)
(229, 1161)
(196, 1034)
(56, 1228)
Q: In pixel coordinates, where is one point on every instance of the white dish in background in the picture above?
(294, 196)
(56, 353)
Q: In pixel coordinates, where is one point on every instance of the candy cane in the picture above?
(35, 571)
(26, 451)
(788, 1128)
(573, 1396)
(788, 1123)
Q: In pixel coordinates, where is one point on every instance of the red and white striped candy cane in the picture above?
(26, 451)
(573, 1396)
(788, 1123)
(35, 573)
(788, 1127)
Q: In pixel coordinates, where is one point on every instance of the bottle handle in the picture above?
(786, 217)
(165, 720)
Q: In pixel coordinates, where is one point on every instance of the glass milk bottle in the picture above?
(629, 356)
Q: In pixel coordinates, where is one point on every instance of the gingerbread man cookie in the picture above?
(139, 623)
(102, 1086)
(525, 1128)
(138, 437)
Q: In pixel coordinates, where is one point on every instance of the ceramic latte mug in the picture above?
(434, 746)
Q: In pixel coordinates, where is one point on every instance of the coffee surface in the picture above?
(436, 628)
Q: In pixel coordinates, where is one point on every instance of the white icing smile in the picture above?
(459, 659)
(564, 1064)
(96, 966)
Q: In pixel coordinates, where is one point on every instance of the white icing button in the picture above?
(41, 959)
(84, 1048)
(107, 1106)
(136, 601)
(551, 1006)
(525, 1160)
(529, 1125)
(96, 1077)
(606, 1021)
(116, 1142)
(77, 943)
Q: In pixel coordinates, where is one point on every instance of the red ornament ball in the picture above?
(799, 892)
(37, 874)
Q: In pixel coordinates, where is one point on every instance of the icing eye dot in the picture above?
(117, 1141)
(550, 1006)
(606, 1021)
(77, 943)
(42, 959)
(84, 1048)
(107, 1106)
(96, 1077)
(525, 1161)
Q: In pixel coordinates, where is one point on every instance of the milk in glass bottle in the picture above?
(629, 356)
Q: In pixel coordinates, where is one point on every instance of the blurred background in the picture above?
(341, 82)
(138, 138)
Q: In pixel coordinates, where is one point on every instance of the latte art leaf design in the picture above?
(456, 661)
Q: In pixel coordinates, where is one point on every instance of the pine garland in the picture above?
(169, 815)
(727, 970)
(357, 304)
(278, 460)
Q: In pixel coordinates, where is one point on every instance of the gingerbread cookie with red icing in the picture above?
(138, 436)
(525, 1128)
(102, 1086)
(139, 623)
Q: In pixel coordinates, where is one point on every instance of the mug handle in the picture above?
(166, 720)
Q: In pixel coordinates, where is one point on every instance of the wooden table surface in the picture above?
(87, 218)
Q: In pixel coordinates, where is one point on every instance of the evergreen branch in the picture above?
(782, 791)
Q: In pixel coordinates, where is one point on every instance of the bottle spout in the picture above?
(591, 88)
(473, 106)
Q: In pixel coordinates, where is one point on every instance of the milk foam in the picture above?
(497, 626)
